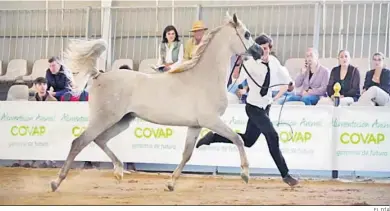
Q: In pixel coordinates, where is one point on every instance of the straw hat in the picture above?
(198, 25)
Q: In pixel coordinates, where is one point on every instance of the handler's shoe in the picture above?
(290, 180)
(206, 140)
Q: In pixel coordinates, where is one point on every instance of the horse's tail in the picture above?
(81, 58)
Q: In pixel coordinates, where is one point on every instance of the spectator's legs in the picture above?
(374, 94)
(294, 97)
(283, 98)
(310, 99)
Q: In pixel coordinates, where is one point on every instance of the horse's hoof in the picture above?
(170, 186)
(54, 186)
(245, 177)
(118, 173)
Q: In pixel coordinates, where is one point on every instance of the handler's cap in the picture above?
(198, 25)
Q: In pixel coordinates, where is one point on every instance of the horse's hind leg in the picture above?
(95, 127)
(224, 130)
(107, 135)
(192, 136)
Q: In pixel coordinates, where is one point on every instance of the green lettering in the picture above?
(370, 138)
(307, 136)
(360, 138)
(151, 132)
(284, 136)
(342, 140)
(13, 130)
(22, 131)
(380, 137)
(25, 130)
(355, 140)
(295, 137)
(42, 130)
(169, 132)
(300, 137)
(77, 131)
(146, 133)
(136, 132)
(35, 131)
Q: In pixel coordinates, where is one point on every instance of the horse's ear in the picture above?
(228, 18)
(235, 21)
(227, 14)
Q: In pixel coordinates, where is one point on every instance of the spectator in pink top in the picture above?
(312, 81)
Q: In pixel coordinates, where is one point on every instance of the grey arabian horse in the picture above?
(118, 97)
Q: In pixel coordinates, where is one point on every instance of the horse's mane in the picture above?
(199, 51)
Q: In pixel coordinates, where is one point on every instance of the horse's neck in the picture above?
(215, 61)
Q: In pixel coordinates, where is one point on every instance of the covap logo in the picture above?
(149, 132)
(25, 130)
(295, 137)
(78, 130)
(362, 138)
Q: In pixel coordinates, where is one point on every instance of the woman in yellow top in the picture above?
(198, 30)
(171, 50)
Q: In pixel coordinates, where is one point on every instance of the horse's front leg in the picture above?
(192, 136)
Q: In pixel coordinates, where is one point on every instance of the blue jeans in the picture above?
(283, 98)
(308, 99)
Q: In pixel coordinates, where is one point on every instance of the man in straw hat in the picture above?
(198, 30)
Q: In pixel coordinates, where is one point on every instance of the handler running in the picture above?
(258, 105)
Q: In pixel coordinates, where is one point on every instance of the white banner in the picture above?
(362, 137)
(45, 131)
(307, 148)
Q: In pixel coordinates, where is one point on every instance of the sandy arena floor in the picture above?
(19, 186)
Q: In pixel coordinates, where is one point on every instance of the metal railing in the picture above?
(360, 27)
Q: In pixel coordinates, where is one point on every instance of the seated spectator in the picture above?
(59, 78)
(41, 93)
(376, 87)
(198, 30)
(171, 50)
(312, 81)
(349, 78)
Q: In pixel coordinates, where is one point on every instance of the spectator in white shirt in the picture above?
(258, 105)
(171, 50)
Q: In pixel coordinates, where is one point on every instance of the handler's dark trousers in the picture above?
(260, 123)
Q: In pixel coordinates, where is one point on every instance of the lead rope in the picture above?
(261, 87)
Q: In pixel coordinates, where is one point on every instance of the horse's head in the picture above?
(242, 43)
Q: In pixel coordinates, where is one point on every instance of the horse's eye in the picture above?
(247, 35)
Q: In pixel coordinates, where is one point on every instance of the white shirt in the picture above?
(276, 77)
(168, 56)
(258, 72)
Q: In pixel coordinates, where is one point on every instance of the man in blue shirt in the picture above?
(59, 78)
